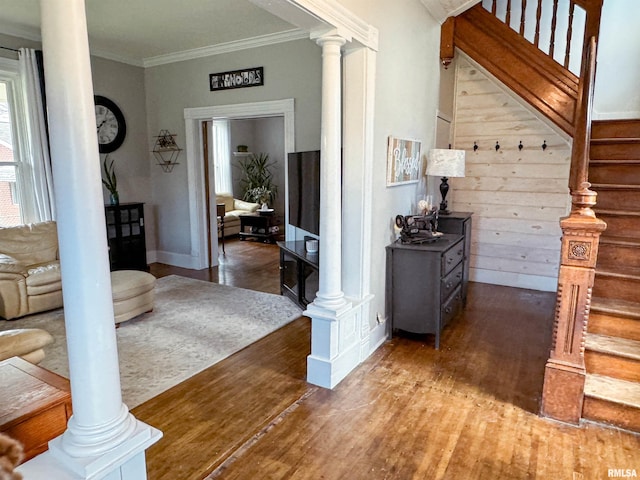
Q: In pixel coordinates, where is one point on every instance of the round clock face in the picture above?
(110, 125)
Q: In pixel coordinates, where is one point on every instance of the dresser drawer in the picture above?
(452, 257)
(452, 306)
(450, 282)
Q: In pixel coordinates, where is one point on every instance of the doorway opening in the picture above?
(224, 144)
(194, 118)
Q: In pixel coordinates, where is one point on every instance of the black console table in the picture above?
(299, 278)
(424, 284)
(126, 237)
(259, 225)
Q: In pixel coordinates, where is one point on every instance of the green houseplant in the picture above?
(257, 179)
(110, 181)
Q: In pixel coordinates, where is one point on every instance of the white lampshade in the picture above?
(445, 163)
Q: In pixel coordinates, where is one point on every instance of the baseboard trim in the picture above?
(378, 336)
(174, 259)
(511, 279)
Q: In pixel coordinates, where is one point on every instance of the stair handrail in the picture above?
(579, 173)
(592, 9)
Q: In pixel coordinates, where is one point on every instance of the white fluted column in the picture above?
(330, 295)
(101, 435)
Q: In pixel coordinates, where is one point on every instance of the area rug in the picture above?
(194, 324)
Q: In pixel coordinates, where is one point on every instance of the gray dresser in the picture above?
(424, 284)
(460, 223)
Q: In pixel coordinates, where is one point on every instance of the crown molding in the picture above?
(323, 15)
(228, 47)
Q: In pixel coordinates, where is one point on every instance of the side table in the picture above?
(35, 404)
(259, 225)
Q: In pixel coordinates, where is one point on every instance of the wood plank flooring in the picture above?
(467, 411)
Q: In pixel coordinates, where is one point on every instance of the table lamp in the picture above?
(445, 163)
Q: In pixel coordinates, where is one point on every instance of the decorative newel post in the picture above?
(564, 377)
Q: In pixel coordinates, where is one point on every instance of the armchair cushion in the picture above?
(233, 208)
(30, 279)
(24, 342)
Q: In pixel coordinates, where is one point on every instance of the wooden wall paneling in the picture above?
(517, 196)
(511, 211)
(539, 255)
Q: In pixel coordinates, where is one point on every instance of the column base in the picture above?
(563, 392)
(337, 341)
(124, 462)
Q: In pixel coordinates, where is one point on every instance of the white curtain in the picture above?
(222, 156)
(38, 155)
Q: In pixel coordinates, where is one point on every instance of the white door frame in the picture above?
(195, 168)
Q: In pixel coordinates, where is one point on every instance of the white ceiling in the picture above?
(135, 30)
(142, 31)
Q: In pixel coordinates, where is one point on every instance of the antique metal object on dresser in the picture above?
(459, 223)
(126, 237)
(424, 284)
(418, 228)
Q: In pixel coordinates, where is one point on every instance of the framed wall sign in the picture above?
(404, 162)
(249, 77)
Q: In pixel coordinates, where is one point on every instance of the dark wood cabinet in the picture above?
(125, 236)
(299, 277)
(424, 284)
(460, 224)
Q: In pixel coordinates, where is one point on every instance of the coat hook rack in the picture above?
(520, 146)
(497, 146)
(475, 146)
(544, 145)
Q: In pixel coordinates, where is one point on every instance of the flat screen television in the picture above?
(304, 190)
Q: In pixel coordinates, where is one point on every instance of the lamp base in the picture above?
(444, 188)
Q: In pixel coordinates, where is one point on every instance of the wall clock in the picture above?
(110, 124)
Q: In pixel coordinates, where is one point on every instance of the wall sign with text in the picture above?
(249, 77)
(404, 163)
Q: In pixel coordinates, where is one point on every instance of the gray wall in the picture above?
(261, 135)
(292, 70)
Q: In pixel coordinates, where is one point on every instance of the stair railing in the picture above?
(560, 28)
(564, 379)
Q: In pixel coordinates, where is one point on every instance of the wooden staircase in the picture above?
(612, 353)
(608, 155)
(526, 70)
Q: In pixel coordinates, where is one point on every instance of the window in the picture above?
(15, 205)
(221, 156)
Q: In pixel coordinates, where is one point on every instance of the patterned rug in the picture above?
(194, 324)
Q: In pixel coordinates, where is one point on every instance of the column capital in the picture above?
(330, 37)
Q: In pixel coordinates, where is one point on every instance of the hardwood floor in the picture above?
(467, 411)
(246, 264)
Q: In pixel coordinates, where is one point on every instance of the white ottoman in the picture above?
(133, 293)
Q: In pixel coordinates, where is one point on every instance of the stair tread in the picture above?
(630, 273)
(622, 241)
(612, 389)
(615, 307)
(614, 161)
(621, 347)
(614, 186)
(622, 213)
(615, 140)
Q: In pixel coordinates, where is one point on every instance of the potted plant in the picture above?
(110, 181)
(257, 179)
